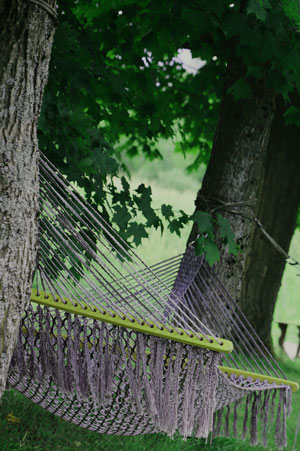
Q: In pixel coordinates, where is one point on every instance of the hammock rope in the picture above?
(88, 219)
(119, 347)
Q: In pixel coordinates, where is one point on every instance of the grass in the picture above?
(36, 429)
(288, 306)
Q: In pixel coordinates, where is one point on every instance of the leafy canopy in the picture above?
(116, 85)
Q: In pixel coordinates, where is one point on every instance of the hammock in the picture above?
(118, 347)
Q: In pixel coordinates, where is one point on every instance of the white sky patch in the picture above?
(183, 59)
(190, 64)
(144, 59)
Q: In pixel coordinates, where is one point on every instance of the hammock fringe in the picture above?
(258, 403)
(175, 386)
(166, 381)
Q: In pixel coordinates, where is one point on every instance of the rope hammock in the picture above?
(119, 347)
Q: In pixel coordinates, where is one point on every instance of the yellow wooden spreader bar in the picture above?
(131, 323)
(262, 377)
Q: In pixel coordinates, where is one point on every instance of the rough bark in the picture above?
(277, 207)
(234, 170)
(25, 43)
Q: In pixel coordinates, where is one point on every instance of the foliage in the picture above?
(116, 85)
(207, 226)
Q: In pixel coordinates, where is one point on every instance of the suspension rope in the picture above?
(227, 206)
(117, 242)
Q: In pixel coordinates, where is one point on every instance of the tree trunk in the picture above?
(25, 43)
(277, 207)
(234, 170)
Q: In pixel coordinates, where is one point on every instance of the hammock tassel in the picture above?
(235, 418)
(149, 397)
(265, 414)
(209, 396)
(217, 422)
(227, 418)
(245, 420)
(190, 391)
(284, 406)
(254, 418)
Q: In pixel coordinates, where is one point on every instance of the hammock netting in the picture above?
(165, 371)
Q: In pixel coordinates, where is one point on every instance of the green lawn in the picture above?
(288, 303)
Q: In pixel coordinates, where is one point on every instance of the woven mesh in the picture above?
(111, 379)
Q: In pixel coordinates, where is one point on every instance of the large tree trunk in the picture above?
(277, 207)
(25, 43)
(235, 169)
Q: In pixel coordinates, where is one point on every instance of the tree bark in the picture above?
(235, 170)
(277, 208)
(26, 36)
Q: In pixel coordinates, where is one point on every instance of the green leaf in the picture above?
(258, 8)
(175, 226)
(145, 195)
(152, 218)
(199, 246)
(144, 204)
(204, 222)
(298, 218)
(122, 197)
(205, 245)
(240, 89)
(105, 163)
(212, 253)
(227, 234)
(132, 151)
(125, 184)
(138, 232)
(291, 9)
(184, 218)
(167, 211)
(86, 162)
(121, 216)
(292, 116)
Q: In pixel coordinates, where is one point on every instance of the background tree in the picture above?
(277, 206)
(26, 33)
